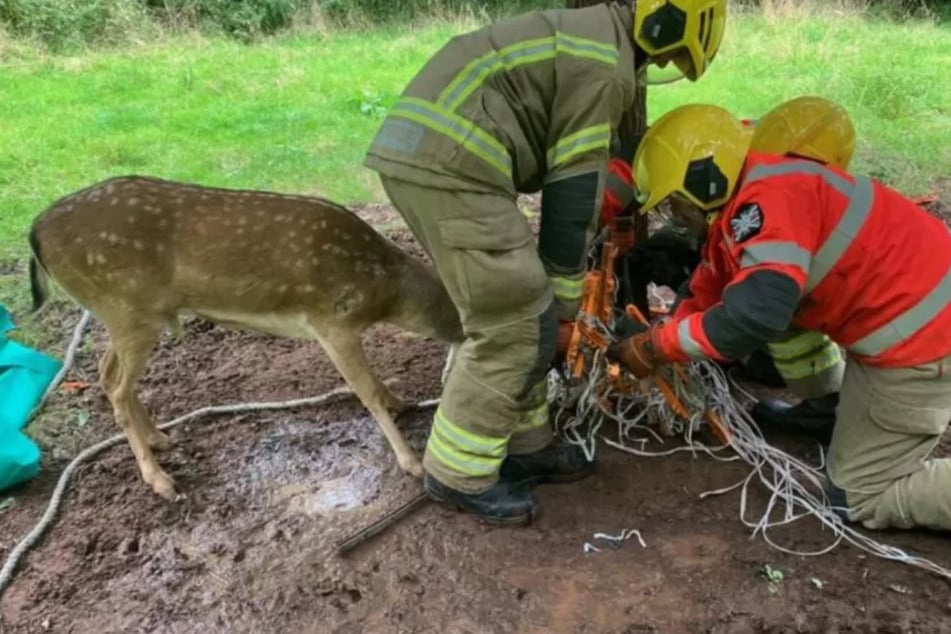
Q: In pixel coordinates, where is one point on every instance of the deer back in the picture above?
(144, 244)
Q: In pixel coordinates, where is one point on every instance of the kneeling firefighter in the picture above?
(802, 245)
(809, 363)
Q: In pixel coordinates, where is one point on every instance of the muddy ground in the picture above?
(269, 494)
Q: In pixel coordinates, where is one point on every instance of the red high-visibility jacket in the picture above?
(810, 246)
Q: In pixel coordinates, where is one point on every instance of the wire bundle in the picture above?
(796, 489)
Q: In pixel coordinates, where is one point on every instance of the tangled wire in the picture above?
(796, 489)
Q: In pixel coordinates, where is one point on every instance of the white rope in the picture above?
(52, 508)
(70, 357)
(796, 489)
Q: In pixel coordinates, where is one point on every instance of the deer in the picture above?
(142, 253)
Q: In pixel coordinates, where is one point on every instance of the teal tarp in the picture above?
(24, 376)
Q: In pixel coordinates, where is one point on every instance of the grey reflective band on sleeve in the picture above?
(621, 189)
(689, 345)
(776, 252)
(861, 196)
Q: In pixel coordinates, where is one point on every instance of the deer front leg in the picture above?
(156, 438)
(120, 370)
(345, 349)
(109, 375)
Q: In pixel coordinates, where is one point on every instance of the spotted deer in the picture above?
(140, 253)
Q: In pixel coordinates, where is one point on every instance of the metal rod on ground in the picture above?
(380, 525)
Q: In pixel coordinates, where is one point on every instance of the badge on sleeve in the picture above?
(747, 222)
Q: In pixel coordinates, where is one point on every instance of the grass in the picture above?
(296, 113)
(289, 115)
(888, 75)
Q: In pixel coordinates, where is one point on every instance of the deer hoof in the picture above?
(160, 441)
(396, 406)
(164, 485)
(414, 468)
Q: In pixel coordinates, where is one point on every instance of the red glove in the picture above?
(565, 330)
(612, 204)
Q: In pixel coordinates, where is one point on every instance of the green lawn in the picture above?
(296, 113)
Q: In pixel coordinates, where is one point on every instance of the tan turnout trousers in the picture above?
(888, 423)
(494, 402)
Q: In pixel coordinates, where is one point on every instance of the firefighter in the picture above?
(809, 363)
(802, 245)
(526, 104)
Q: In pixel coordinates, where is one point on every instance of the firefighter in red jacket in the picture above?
(808, 363)
(801, 245)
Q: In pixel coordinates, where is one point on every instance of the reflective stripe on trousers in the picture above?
(806, 354)
(463, 451)
(537, 415)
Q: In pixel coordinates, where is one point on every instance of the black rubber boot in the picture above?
(814, 417)
(558, 463)
(502, 504)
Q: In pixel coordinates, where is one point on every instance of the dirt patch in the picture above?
(269, 494)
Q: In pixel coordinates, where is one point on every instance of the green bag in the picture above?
(25, 374)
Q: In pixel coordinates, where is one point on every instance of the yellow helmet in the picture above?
(809, 127)
(691, 30)
(697, 151)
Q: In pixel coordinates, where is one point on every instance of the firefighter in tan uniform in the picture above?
(527, 104)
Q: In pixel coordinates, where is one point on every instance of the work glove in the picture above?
(638, 353)
(614, 201)
(626, 326)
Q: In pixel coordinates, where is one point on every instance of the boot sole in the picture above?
(566, 478)
(523, 519)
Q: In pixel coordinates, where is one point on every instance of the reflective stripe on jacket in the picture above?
(515, 104)
(867, 266)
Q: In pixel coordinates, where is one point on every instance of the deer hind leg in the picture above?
(345, 350)
(120, 370)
